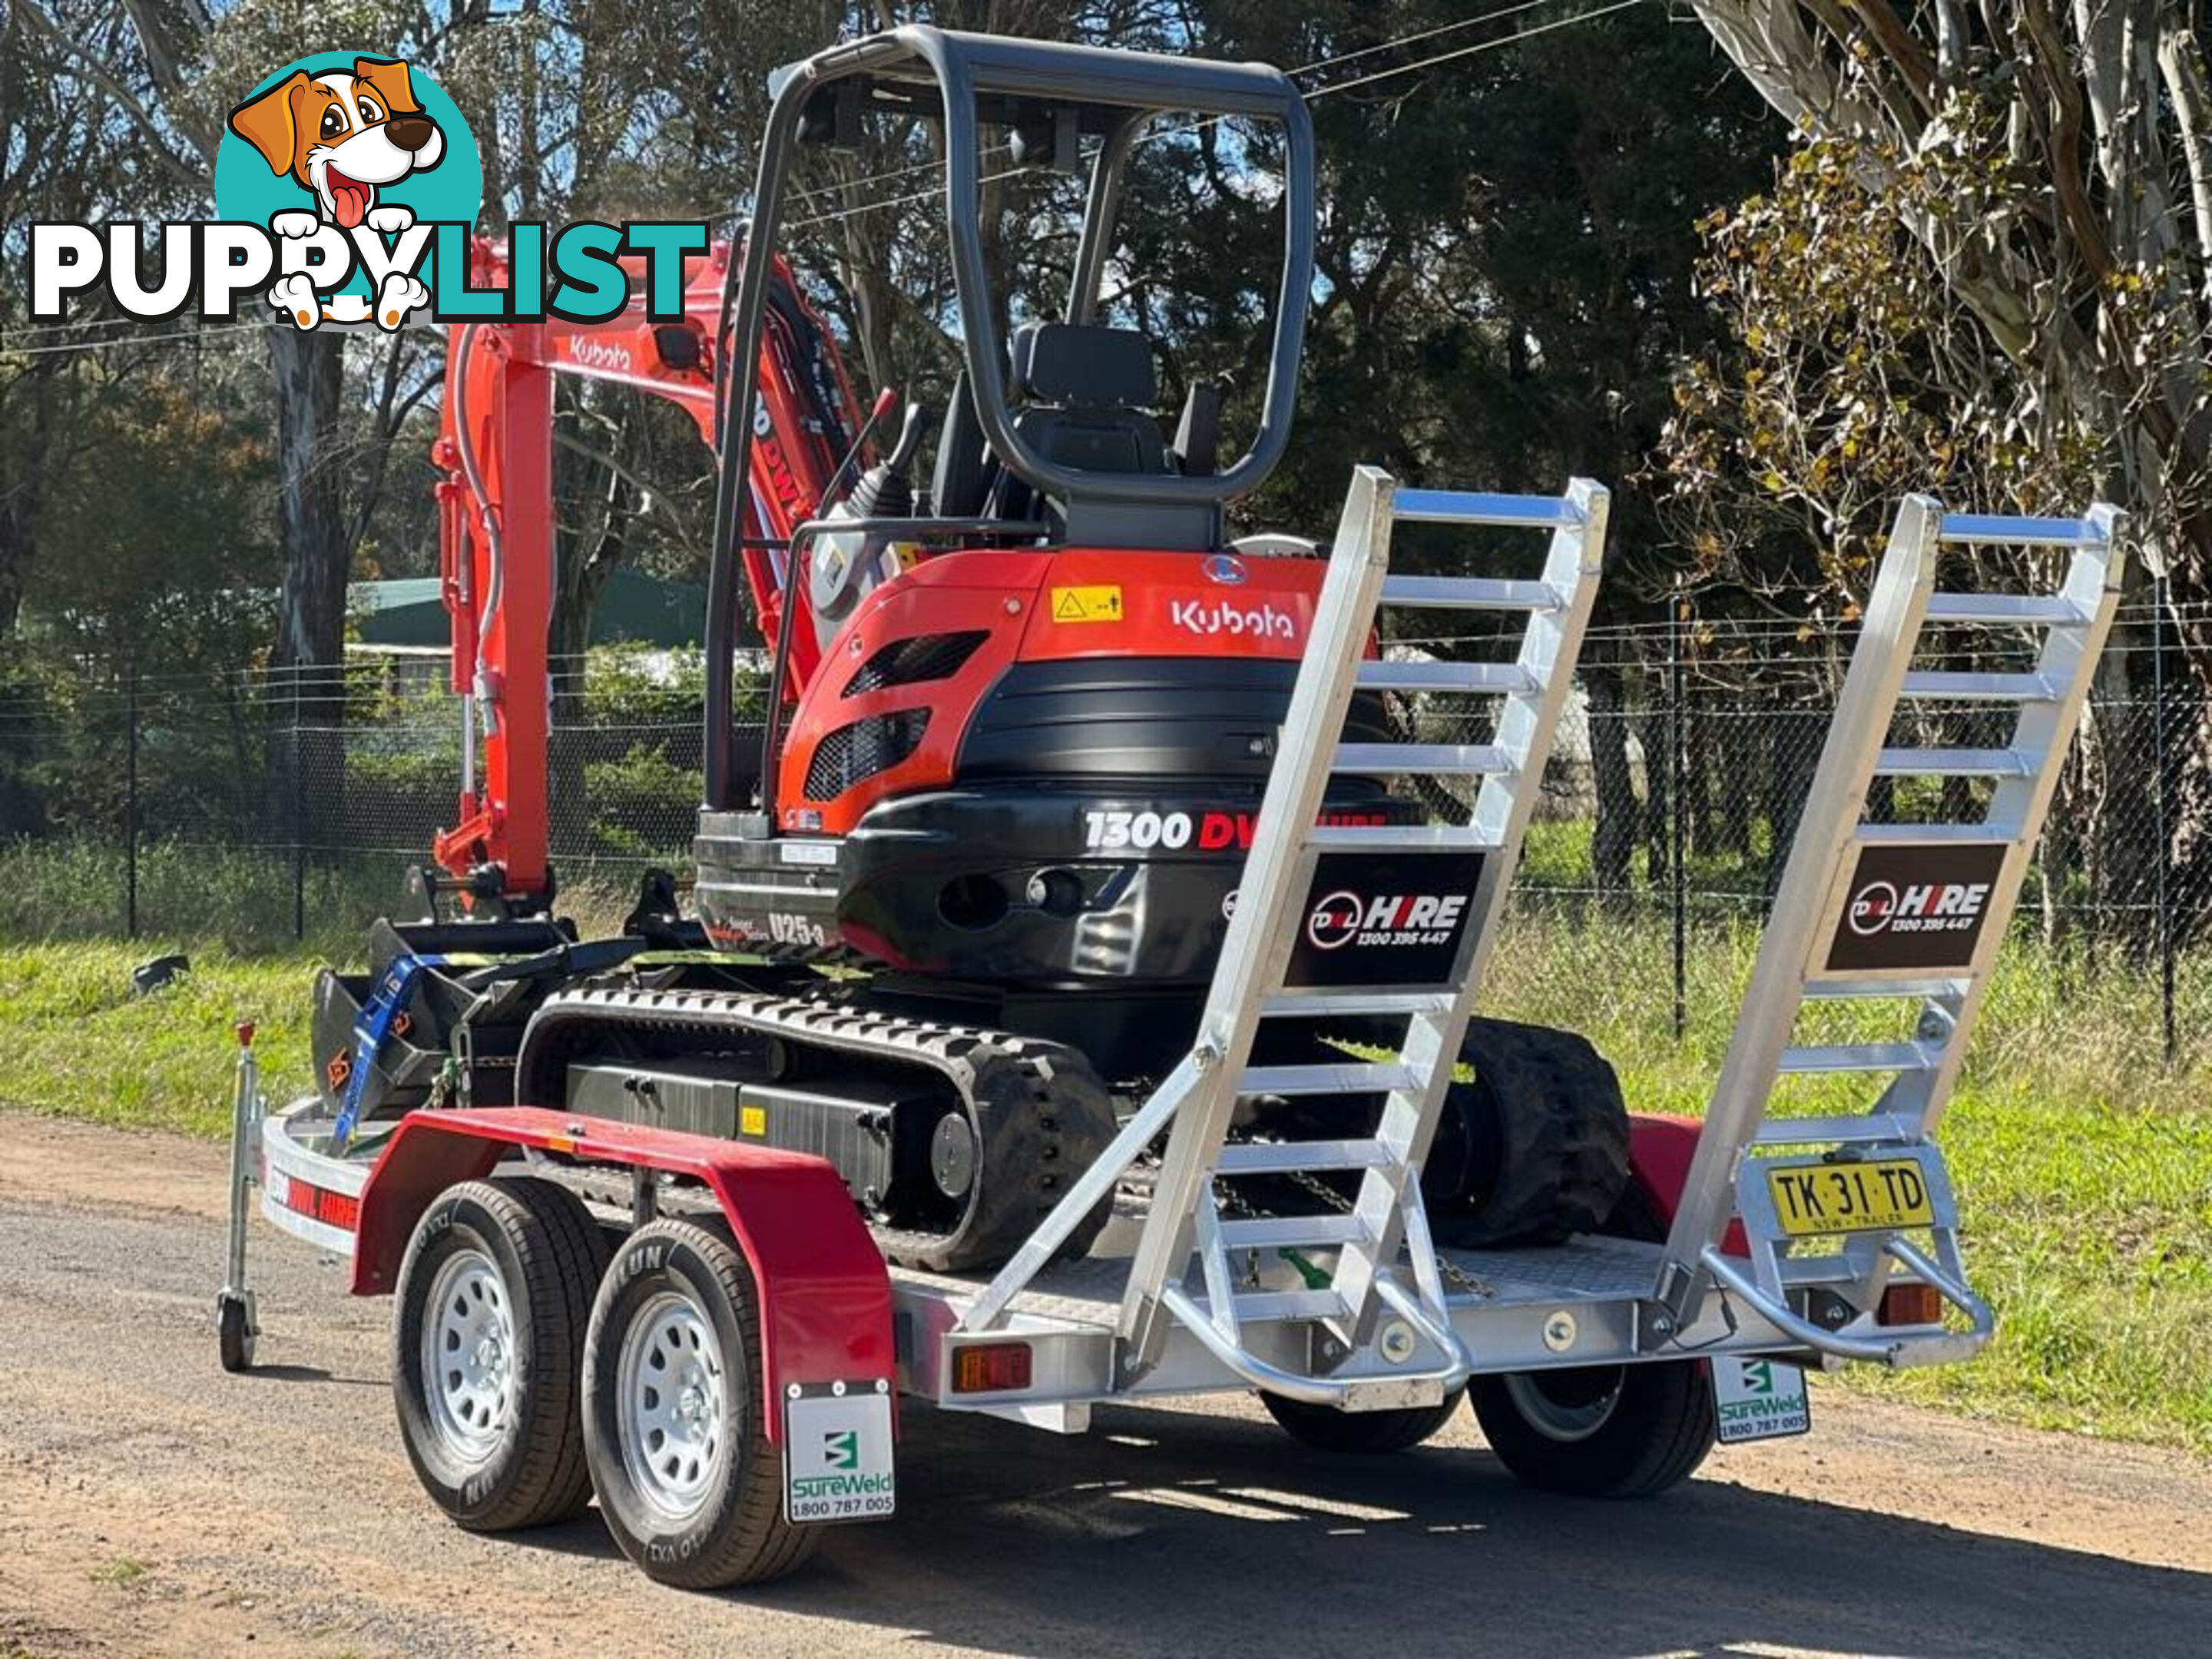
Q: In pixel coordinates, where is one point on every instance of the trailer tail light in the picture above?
(992, 1368)
(1911, 1304)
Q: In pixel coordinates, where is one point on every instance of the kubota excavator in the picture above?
(1021, 712)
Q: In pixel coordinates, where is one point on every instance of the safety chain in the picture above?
(1234, 1203)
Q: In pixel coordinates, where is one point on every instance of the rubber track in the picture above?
(1042, 1113)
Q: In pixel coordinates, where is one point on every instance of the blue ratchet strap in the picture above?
(370, 1028)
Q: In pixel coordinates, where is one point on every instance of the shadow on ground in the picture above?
(1173, 1533)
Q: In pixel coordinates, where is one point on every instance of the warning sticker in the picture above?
(1087, 604)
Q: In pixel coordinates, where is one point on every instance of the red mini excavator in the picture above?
(1022, 710)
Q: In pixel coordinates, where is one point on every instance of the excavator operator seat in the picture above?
(1089, 391)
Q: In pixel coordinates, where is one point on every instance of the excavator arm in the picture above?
(497, 547)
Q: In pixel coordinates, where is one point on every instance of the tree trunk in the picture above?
(1656, 734)
(311, 600)
(1797, 740)
(1613, 842)
(19, 495)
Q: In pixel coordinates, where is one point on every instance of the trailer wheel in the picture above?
(486, 1340)
(233, 1333)
(1602, 1431)
(675, 1424)
(1326, 1429)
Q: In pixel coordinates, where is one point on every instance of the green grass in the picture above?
(246, 900)
(124, 1571)
(80, 1044)
(2084, 1166)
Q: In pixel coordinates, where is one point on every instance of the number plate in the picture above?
(1875, 1195)
(838, 1455)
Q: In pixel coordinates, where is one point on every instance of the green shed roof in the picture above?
(632, 606)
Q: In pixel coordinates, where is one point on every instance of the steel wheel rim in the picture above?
(672, 1406)
(468, 1356)
(1565, 1414)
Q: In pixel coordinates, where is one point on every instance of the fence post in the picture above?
(1678, 763)
(2161, 794)
(131, 809)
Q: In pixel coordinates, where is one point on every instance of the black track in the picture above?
(1040, 1114)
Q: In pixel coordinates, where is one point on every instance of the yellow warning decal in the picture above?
(752, 1119)
(1087, 604)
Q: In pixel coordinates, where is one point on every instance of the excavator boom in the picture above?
(497, 547)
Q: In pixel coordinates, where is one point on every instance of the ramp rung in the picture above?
(1470, 593)
(1295, 1157)
(1950, 835)
(1884, 1128)
(1858, 1057)
(1401, 838)
(1941, 685)
(1963, 527)
(1318, 1005)
(1422, 759)
(1288, 1232)
(1273, 1307)
(1348, 1078)
(1467, 506)
(1999, 610)
(1484, 677)
(1836, 990)
(1953, 763)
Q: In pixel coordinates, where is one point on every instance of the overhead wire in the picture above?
(128, 340)
(1392, 72)
(811, 193)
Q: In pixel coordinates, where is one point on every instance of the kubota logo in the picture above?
(1343, 916)
(1942, 907)
(588, 353)
(1261, 620)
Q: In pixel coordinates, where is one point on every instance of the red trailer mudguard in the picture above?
(825, 1297)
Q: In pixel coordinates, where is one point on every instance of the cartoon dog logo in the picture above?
(342, 134)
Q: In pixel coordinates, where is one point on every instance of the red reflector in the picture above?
(991, 1368)
(1911, 1305)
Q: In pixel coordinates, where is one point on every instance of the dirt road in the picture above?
(148, 1503)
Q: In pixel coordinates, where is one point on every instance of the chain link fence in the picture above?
(287, 807)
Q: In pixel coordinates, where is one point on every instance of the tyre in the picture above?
(487, 1351)
(675, 1424)
(1602, 1431)
(1365, 1433)
(234, 1333)
(1534, 1149)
